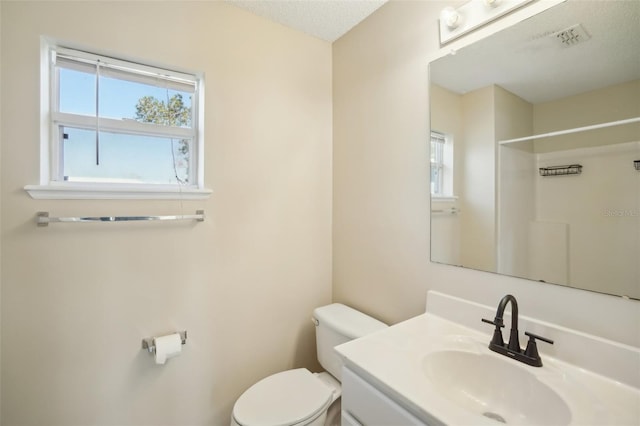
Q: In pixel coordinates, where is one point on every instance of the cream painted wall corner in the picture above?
(78, 298)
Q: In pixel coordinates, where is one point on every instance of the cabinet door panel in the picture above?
(370, 407)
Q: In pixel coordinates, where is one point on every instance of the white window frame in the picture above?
(52, 184)
(444, 188)
(437, 146)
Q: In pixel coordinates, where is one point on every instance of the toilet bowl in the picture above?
(290, 398)
(299, 397)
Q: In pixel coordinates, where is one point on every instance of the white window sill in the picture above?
(75, 191)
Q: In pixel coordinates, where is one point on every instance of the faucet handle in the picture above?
(535, 336)
(497, 322)
(532, 348)
(497, 333)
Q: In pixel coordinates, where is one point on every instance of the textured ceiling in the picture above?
(527, 60)
(326, 19)
(524, 59)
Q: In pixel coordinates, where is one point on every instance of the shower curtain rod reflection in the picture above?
(43, 218)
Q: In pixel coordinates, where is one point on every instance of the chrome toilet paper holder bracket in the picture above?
(150, 342)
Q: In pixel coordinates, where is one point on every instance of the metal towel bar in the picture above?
(43, 218)
(452, 210)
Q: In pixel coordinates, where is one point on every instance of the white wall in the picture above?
(602, 215)
(381, 255)
(78, 298)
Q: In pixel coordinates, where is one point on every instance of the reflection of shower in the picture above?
(585, 230)
(572, 169)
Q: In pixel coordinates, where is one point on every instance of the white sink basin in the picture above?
(437, 366)
(489, 386)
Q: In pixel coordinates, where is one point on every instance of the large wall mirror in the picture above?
(535, 149)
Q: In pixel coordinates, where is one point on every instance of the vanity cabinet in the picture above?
(364, 405)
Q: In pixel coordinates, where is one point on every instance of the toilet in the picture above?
(299, 397)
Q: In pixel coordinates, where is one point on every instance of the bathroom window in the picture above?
(441, 165)
(118, 129)
(437, 163)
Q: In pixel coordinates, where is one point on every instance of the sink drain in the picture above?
(494, 416)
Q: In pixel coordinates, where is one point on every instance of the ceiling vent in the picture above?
(571, 36)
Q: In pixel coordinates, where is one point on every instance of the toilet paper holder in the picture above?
(150, 343)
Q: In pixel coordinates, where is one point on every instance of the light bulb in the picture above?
(450, 17)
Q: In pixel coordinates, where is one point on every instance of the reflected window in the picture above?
(441, 165)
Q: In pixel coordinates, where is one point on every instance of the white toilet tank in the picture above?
(337, 324)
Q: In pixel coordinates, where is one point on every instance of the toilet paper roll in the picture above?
(168, 346)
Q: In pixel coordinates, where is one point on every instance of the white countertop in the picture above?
(393, 361)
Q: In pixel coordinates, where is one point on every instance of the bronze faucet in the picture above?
(530, 355)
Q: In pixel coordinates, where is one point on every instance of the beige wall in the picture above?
(78, 298)
(617, 102)
(380, 162)
(514, 116)
(515, 182)
(381, 194)
(477, 195)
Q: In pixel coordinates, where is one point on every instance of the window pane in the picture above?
(437, 151)
(437, 163)
(120, 92)
(125, 158)
(436, 179)
(123, 99)
(77, 92)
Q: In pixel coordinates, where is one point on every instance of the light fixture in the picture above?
(474, 14)
(450, 17)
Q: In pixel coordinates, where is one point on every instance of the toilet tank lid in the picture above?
(347, 321)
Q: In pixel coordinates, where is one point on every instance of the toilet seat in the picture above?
(287, 398)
